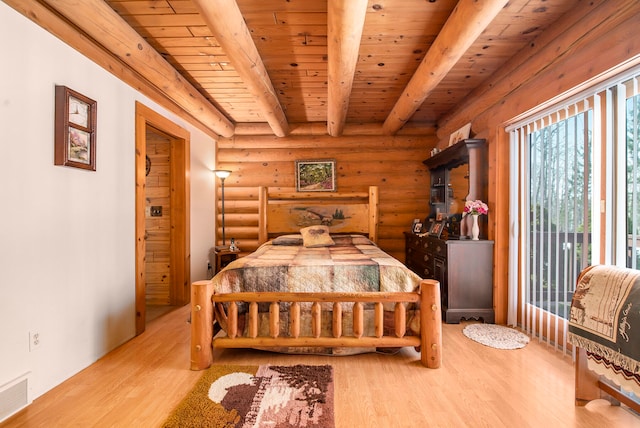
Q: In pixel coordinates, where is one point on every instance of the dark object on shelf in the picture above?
(436, 228)
(453, 226)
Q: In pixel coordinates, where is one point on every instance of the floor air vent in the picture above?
(14, 396)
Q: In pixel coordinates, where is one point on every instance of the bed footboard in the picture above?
(202, 321)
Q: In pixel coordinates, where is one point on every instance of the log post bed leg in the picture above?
(430, 324)
(201, 325)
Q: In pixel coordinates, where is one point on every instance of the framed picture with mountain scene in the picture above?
(316, 175)
(75, 129)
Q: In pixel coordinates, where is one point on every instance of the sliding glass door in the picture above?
(632, 159)
(575, 199)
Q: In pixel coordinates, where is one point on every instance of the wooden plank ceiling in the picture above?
(269, 64)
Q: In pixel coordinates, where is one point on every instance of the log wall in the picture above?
(394, 164)
(583, 45)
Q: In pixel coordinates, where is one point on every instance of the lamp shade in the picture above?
(222, 173)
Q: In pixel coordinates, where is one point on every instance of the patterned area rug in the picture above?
(496, 336)
(264, 396)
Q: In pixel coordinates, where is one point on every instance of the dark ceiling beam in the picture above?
(465, 24)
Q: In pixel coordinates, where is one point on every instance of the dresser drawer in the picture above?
(420, 262)
(419, 257)
(414, 242)
(428, 244)
(422, 270)
(439, 248)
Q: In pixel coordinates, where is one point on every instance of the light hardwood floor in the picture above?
(138, 384)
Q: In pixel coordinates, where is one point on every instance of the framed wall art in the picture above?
(436, 228)
(316, 175)
(460, 134)
(75, 129)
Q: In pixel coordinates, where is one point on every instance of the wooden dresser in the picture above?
(464, 269)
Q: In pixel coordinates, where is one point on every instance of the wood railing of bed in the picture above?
(204, 301)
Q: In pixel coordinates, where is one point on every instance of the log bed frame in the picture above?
(275, 212)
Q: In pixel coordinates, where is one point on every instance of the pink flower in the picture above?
(476, 207)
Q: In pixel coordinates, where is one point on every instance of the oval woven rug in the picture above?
(496, 336)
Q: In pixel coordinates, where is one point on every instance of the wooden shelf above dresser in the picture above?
(470, 152)
(454, 155)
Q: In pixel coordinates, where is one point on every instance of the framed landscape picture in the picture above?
(316, 175)
(75, 129)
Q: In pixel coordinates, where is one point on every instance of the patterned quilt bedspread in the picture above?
(605, 320)
(353, 264)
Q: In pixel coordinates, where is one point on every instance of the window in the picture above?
(575, 200)
(633, 182)
(559, 202)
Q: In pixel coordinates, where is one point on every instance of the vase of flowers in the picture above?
(475, 208)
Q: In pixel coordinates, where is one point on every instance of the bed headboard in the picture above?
(287, 212)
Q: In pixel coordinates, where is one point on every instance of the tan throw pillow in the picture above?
(316, 236)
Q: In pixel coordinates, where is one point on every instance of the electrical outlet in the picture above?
(34, 340)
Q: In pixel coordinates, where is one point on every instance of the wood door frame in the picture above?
(180, 253)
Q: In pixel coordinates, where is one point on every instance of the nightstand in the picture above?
(223, 257)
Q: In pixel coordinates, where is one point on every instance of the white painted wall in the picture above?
(67, 235)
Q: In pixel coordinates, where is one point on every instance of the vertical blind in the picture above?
(556, 157)
(630, 178)
(575, 188)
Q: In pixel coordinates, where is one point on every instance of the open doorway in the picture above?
(162, 215)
